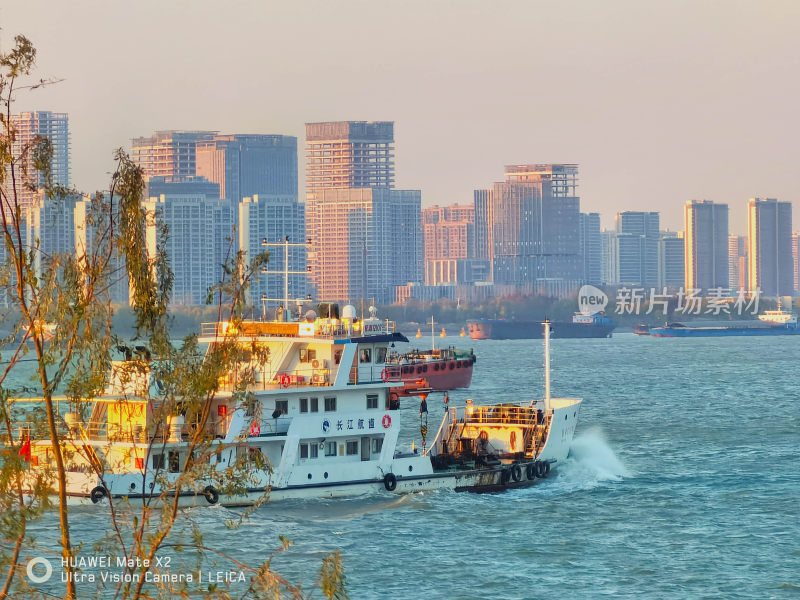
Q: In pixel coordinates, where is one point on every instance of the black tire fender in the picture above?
(530, 470)
(211, 494)
(505, 476)
(390, 482)
(98, 494)
(516, 472)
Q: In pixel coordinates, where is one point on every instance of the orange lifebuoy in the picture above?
(384, 376)
(285, 380)
(512, 440)
(386, 421)
(255, 428)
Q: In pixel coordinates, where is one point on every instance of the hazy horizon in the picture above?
(658, 103)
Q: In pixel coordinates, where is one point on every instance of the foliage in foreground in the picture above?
(64, 329)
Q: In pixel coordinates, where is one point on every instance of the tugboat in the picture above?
(327, 425)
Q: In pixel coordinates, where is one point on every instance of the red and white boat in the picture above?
(440, 368)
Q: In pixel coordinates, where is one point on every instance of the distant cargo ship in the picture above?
(771, 322)
(581, 326)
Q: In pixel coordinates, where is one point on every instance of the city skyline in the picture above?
(652, 122)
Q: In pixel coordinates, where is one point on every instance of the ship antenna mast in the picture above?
(546, 364)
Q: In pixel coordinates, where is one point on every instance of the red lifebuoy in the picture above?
(386, 421)
(484, 435)
(384, 376)
(255, 428)
(285, 380)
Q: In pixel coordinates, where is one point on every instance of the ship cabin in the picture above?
(324, 393)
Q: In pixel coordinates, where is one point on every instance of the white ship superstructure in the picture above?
(326, 425)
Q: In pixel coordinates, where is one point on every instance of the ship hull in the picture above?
(532, 330)
(722, 331)
(440, 376)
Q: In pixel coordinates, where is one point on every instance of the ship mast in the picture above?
(546, 364)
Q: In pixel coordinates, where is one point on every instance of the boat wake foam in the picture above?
(590, 454)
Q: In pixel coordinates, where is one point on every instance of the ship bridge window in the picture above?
(380, 355)
(303, 405)
(303, 450)
(283, 406)
(377, 445)
(158, 461)
(352, 447)
(330, 403)
(314, 404)
(372, 400)
(337, 356)
(330, 449)
(313, 450)
(174, 461)
(366, 355)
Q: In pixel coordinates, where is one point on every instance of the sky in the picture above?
(658, 102)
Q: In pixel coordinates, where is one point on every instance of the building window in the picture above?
(330, 449)
(303, 450)
(377, 445)
(303, 405)
(366, 355)
(352, 447)
(372, 401)
(314, 450)
(283, 406)
(314, 404)
(330, 404)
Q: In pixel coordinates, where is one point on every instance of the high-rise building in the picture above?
(50, 227)
(168, 153)
(365, 236)
(482, 230)
(449, 231)
(349, 154)
(372, 242)
(91, 222)
(200, 239)
(274, 219)
(737, 262)
(647, 226)
(705, 245)
(796, 259)
(28, 127)
(248, 165)
(591, 248)
(769, 246)
(671, 264)
(534, 216)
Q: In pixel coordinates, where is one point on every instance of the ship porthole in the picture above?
(325, 475)
(309, 475)
(410, 468)
(565, 417)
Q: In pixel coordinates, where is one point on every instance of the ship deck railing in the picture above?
(101, 432)
(497, 414)
(250, 330)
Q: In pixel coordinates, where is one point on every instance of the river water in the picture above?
(683, 482)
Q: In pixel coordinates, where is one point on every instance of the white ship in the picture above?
(328, 426)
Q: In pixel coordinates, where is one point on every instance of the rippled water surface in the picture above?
(683, 482)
